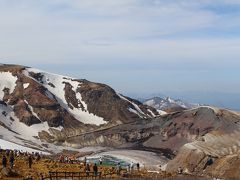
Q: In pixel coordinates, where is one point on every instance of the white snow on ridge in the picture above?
(9, 145)
(25, 85)
(31, 109)
(150, 102)
(58, 91)
(161, 112)
(137, 110)
(7, 80)
(151, 112)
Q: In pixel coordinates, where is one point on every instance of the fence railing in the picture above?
(71, 175)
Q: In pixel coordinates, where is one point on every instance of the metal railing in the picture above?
(71, 175)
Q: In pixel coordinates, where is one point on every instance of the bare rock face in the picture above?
(24, 114)
(191, 161)
(104, 101)
(226, 167)
(215, 149)
(184, 127)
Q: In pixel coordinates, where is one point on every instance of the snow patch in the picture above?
(31, 109)
(10, 145)
(25, 85)
(134, 111)
(161, 112)
(151, 112)
(7, 80)
(137, 110)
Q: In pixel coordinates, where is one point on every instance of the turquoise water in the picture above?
(108, 161)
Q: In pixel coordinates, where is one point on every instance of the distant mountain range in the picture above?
(168, 104)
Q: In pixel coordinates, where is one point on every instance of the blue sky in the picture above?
(180, 48)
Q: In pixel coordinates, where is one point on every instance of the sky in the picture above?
(182, 48)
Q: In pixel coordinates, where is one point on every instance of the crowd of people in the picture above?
(11, 155)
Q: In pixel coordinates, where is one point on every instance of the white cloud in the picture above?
(64, 31)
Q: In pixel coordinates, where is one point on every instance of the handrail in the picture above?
(66, 174)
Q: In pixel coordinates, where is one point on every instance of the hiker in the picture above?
(100, 161)
(85, 161)
(11, 160)
(4, 161)
(118, 168)
(61, 158)
(87, 169)
(95, 169)
(7, 152)
(30, 161)
(180, 170)
(38, 157)
(66, 159)
(132, 166)
(129, 168)
(138, 166)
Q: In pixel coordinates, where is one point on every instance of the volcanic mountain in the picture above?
(37, 106)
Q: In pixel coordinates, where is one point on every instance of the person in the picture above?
(100, 160)
(38, 157)
(180, 170)
(138, 166)
(129, 167)
(85, 161)
(66, 159)
(7, 152)
(30, 161)
(11, 160)
(4, 161)
(132, 166)
(87, 169)
(95, 169)
(118, 168)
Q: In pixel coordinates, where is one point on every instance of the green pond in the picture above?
(108, 161)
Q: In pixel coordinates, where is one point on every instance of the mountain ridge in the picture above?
(62, 106)
(168, 104)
